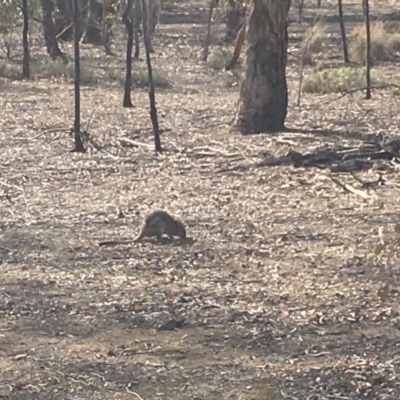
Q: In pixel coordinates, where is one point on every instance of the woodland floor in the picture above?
(281, 293)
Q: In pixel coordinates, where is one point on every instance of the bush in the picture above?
(334, 80)
(383, 43)
(313, 39)
(139, 77)
(216, 58)
(58, 69)
(10, 70)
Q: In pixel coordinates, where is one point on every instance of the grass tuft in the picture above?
(334, 80)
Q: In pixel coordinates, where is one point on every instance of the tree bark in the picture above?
(368, 48)
(136, 17)
(77, 81)
(25, 42)
(49, 31)
(127, 102)
(263, 96)
(343, 33)
(152, 96)
(64, 20)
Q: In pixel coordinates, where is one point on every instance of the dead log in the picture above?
(338, 158)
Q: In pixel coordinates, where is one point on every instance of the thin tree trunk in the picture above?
(235, 19)
(127, 102)
(136, 16)
(25, 42)
(49, 31)
(238, 48)
(153, 13)
(343, 33)
(77, 122)
(368, 49)
(300, 11)
(106, 28)
(65, 20)
(152, 97)
(263, 96)
(207, 39)
(137, 44)
(93, 32)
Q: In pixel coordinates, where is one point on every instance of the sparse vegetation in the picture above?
(89, 75)
(334, 80)
(58, 69)
(139, 77)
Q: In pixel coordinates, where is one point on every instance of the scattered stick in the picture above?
(351, 189)
(6, 249)
(68, 130)
(136, 143)
(134, 393)
(12, 186)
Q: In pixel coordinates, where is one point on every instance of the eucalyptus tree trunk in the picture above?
(263, 96)
(49, 30)
(25, 41)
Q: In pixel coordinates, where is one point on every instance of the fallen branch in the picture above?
(338, 158)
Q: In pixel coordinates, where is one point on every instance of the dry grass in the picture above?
(312, 43)
(280, 291)
(383, 43)
(90, 75)
(313, 39)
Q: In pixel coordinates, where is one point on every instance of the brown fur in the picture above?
(156, 224)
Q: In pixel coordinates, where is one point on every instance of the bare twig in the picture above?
(69, 130)
(135, 394)
(351, 189)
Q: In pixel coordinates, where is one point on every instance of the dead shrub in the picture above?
(216, 58)
(395, 81)
(392, 26)
(140, 77)
(394, 42)
(307, 58)
(395, 91)
(97, 76)
(383, 43)
(9, 70)
(313, 40)
(58, 69)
